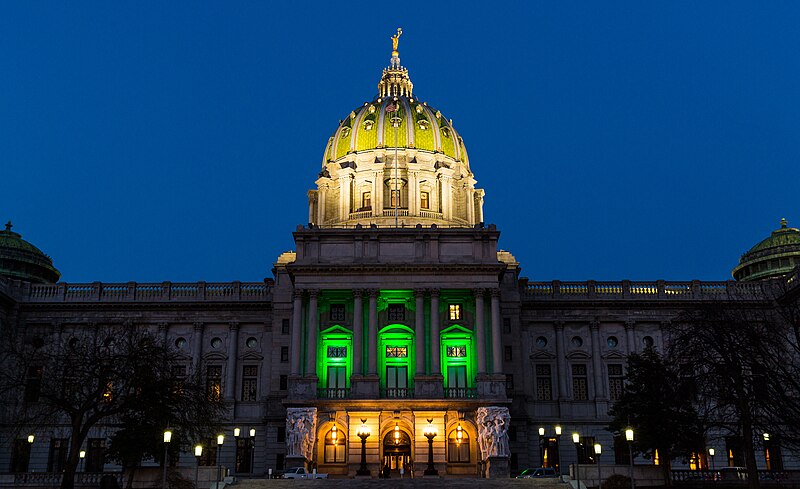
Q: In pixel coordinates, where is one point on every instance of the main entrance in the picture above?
(397, 452)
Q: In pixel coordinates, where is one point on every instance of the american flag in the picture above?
(391, 107)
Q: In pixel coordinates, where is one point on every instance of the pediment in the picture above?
(577, 354)
(541, 355)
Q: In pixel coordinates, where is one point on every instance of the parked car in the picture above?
(300, 473)
(538, 473)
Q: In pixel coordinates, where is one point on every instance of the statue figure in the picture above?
(493, 424)
(396, 38)
(301, 429)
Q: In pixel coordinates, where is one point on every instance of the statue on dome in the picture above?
(396, 39)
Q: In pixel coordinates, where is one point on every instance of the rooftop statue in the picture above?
(396, 39)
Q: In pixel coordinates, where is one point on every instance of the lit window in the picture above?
(395, 198)
(366, 200)
(455, 312)
(457, 351)
(458, 446)
(424, 200)
(214, 382)
(335, 446)
(337, 351)
(396, 352)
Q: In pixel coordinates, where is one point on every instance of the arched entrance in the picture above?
(397, 452)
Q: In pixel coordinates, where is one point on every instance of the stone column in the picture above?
(197, 347)
(323, 197)
(470, 205)
(233, 353)
(630, 327)
(599, 391)
(480, 330)
(358, 333)
(376, 185)
(561, 362)
(413, 191)
(372, 338)
(497, 352)
(297, 324)
(163, 330)
(436, 368)
(419, 330)
(311, 338)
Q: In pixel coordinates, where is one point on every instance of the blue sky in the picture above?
(154, 141)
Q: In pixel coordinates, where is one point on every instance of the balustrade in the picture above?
(132, 291)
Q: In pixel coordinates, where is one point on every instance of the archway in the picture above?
(397, 452)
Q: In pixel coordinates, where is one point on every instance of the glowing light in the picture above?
(167, 435)
(236, 432)
(541, 431)
(31, 438)
(576, 438)
(252, 432)
(558, 430)
(220, 439)
(198, 451)
(629, 434)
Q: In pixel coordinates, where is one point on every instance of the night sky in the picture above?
(176, 141)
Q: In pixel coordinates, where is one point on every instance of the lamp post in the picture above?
(558, 448)
(198, 452)
(236, 461)
(220, 441)
(252, 450)
(541, 444)
(363, 433)
(766, 452)
(167, 439)
(629, 439)
(711, 453)
(82, 456)
(597, 450)
(430, 434)
(576, 439)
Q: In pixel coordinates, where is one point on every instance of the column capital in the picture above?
(162, 326)
(199, 325)
(233, 325)
(373, 293)
(434, 292)
(479, 293)
(358, 292)
(419, 292)
(313, 293)
(495, 292)
(594, 324)
(297, 293)
(630, 323)
(559, 324)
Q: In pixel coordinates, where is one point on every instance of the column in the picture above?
(163, 330)
(630, 326)
(358, 333)
(372, 338)
(480, 330)
(311, 343)
(436, 354)
(297, 324)
(323, 197)
(561, 362)
(497, 353)
(374, 200)
(233, 353)
(419, 330)
(198, 345)
(599, 391)
(470, 205)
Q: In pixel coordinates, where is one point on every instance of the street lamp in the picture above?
(629, 439)
(31, 438)
(430, 434)
(198, 452)
(82, 456)
(576, 439)
(558, 448)
(220, 441)
(597, 450)
(541, 444)
(363, 433)
(252, 450)
(711, 453)
(167, 439)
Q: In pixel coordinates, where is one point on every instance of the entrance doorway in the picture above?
(397, 452)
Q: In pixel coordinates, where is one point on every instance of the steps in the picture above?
(418, 483)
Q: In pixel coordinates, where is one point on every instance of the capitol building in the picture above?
(398, 316)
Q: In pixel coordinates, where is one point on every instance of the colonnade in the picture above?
(311, 332)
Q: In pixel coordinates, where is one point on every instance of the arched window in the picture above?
(335, 446)
(458, 446)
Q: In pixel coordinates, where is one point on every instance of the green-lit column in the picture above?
(313, 320)
(419, 330)
(358, 332)
(480, 330)
(436, 368)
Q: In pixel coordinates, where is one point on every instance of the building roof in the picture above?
(775, 256)
(21, 260)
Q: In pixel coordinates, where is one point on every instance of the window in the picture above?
(396, 352)
(178, 377)
(509, 385)
(337, 352)
(95, 455)
(285, 324)
(21, 455)
(395, 198)
(544, 383)
(214, 382)
(507, 325)
(612, 342)
(366, 201)
(456, 377)
(458, 351)
(58, 454)
(283, 382)
(541, 342)
(458, 446)
(615, 382)
(249, 382)
(508, 353)
(733, 447)
(397, 312)
(284, 354)
(397, 381)
(337, 382)
(337, 312)
(580, 388)
(455, 312)
(586, 450)
(424, 200)
(209, 456)
(621, 454)
(335, 446)
(244, 454)
(280, 436)
(33, 384)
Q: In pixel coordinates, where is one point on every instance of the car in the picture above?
(538, 473)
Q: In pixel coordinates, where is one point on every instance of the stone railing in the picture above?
(45, 479)
(390, 212)
(656, 290)
(152, 292)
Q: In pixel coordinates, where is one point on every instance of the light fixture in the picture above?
(396, 434)
(333, 434)
(766, 437)
(220, 439)
(558, 430)
(31, 438)
(252, 432)
(576, 438)
(711, 451)
(167, 435)
(459, 434)
(541, 431)
(629, 434)
(236, 432)
(82, 454)
(598, 448)
(198, 450)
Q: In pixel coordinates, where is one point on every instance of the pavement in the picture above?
(419, 482)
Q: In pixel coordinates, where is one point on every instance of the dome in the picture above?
(395, 161)
(773, 257)
(21, 260)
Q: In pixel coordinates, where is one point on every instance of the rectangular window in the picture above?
(509, 385)
(209, 456)
(285, 325)
(95, 455)
(772, 454)
(244, 450)
(395, 198)
(507, 325)
(457, 351)
(249, 382)
(397, 382)
(337, 312)
(337, 382)
(214, 382)
(366, 201)
(283, 382)
(396, 352)
(621, 454)
(58, 455)
(544, 383)
(33, 384)
(508, 353)
(397, 312)
(580, 387)
(337, 352)
(178, 378)
(456, 377)
(424, 200)
(284, 354)
(455, 312)
(615, 384)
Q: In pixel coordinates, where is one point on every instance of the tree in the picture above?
(106, 375)
(657, 404)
